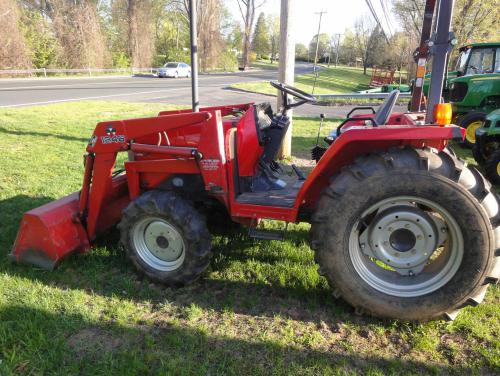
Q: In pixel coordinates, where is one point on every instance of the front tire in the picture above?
(166, 238)
(408, 234)
(470, 122)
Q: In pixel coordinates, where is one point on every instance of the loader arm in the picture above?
(48, 233)
(108, 139)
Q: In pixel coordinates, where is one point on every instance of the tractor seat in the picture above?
(384, 111)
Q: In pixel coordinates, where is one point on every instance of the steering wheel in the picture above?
(293, 91)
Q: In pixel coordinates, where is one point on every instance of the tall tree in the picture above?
(363, 28)
(300, 52)
(348, 52)
(473, 20)
(376, 54)
(247, 10)
(260, 40)
(211, 22)
(235, 37)
(77, 26)
(13, 52)
(140, 41)
(43, 47)
(323, 46)
(273, 23)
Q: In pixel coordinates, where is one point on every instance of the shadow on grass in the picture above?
(106, 271)
(72, 344)
(43, 134)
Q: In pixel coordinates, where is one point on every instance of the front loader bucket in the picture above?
(50, 232)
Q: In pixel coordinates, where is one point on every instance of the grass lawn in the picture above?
(330, 80)
(261, 308)
(265, 64)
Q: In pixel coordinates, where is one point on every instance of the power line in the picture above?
(386, 16)
(374, 14)
(317, 48)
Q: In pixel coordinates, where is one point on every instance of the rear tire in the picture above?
(470, 122)
(417, 180)
(492, 168)
(478, 154)
(166, 238)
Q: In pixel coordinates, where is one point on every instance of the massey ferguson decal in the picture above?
(210, 164)
(112, 139)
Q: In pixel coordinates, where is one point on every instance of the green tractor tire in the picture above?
(470, 122)
(478, 154)
(492, 168)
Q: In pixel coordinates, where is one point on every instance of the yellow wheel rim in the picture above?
(470, 133)
(498, 168)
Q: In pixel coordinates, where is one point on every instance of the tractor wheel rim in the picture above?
(470, 133)
(159, 244)
(409, 256)
(498, 168)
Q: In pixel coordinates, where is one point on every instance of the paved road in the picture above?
(213, 90)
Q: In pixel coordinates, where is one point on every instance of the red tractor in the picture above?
(400, 227)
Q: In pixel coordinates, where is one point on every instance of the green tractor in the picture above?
(486, 149)
(473, 87)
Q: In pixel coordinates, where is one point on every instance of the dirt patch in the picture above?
(91, 340)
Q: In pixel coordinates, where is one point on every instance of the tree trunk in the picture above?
(249, 17)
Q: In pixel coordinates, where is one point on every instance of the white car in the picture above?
(174, 70)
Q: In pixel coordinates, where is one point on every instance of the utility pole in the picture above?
(194, 55)
(286, 66)
(317, 40)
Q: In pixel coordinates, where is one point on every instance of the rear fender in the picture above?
(356, 142)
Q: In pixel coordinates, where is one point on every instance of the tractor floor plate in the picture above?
(278, 197)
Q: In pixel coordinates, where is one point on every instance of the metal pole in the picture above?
(286, 66)
(422, 56)
(194, 55)
(441, 49)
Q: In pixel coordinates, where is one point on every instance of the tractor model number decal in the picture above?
(112, 139)
(210, 164)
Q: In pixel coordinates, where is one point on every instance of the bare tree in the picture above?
(77, 27)
(140, 32)
(274, 34)
(247, 10)
(210, 41)
(363, 29)
(13, 54)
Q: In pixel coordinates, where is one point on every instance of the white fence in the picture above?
(88, 71)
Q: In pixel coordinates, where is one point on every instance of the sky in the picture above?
(340, 15)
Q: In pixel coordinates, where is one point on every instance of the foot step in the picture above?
(266, 235)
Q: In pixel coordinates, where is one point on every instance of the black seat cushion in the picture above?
(263, 118)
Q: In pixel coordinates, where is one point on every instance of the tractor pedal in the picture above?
(266, 234)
